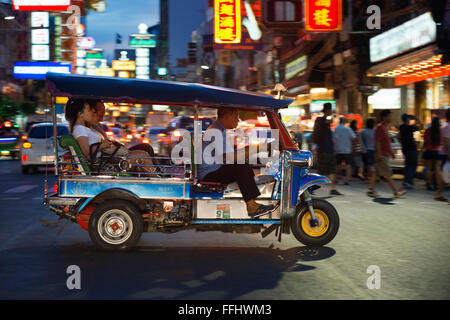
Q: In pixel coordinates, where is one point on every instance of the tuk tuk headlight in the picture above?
(310, 161)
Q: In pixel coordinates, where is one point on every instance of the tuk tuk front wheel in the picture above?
(317, 233)
(115, 226)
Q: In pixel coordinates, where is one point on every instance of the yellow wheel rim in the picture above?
(320, 229)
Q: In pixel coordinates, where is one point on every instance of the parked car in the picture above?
(173, 133)
(37, 150)
(9, 142)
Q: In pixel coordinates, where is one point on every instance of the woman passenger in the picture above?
(81, 118)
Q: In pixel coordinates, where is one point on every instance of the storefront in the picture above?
(411, 62)
(304, 109)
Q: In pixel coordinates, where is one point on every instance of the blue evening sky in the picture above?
(123, 17)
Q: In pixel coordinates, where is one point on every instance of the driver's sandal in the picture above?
(261, 211)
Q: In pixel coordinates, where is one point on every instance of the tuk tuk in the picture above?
(117, 206)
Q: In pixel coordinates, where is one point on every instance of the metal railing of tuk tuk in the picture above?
(160, 167)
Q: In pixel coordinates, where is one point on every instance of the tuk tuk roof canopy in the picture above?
(158, 91)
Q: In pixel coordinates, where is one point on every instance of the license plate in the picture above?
(48, 158)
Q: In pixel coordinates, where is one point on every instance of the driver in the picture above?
(228, 173)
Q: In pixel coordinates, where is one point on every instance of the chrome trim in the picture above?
(299, 163)
(63, 201)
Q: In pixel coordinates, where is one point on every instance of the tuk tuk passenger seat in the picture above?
(79, 160)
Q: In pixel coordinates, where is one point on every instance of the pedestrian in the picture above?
(344, 137)
(368, 137)
(323, 138)
(409, 149)
(358, 150)
(445, 150)
(445, 133)
(432, 157)
(383, 153)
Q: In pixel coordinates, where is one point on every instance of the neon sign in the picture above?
(227, 21)
(323, 15)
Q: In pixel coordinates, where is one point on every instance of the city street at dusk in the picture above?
(227, 158)
(406, 238)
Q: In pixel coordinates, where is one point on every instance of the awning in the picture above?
(403, 60)
(414, 67)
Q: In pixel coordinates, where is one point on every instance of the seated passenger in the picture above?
(228, 173)
(81, 118)
(99, 113)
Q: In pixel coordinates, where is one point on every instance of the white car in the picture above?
(37, 149)
(154, 135)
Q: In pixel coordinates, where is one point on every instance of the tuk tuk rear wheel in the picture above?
(315, 235)
(115, 226)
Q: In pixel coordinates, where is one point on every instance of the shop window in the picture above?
(283, 12)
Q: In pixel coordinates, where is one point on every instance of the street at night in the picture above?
(225, 158)
(406, 238)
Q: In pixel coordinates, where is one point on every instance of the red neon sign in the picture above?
(323, 15)
(227, 21)
(40, 5)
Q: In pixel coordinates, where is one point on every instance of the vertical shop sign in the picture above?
(323, 15)
(227, 21)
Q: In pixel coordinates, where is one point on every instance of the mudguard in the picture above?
(304, 182)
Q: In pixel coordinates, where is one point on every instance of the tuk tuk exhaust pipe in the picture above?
(63, 214)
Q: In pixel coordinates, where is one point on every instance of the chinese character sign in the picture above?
(323, 15)
(227, 21)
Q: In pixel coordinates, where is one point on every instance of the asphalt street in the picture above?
(406, 239)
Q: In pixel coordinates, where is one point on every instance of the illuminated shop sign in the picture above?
(40, 36)
(123, 74)
(323, 15)
(39, 19)
(142, 63)
(40, 52)
(162, 71)
(227, 21)
(104, 72)
(385, 99)
(86, 43)
(124, 65)
(296, 67)
(402, 38)
(40, 5)
(251, 34)
(142, 40)
(37, 70)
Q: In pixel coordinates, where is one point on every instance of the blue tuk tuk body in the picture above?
(117, 208)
